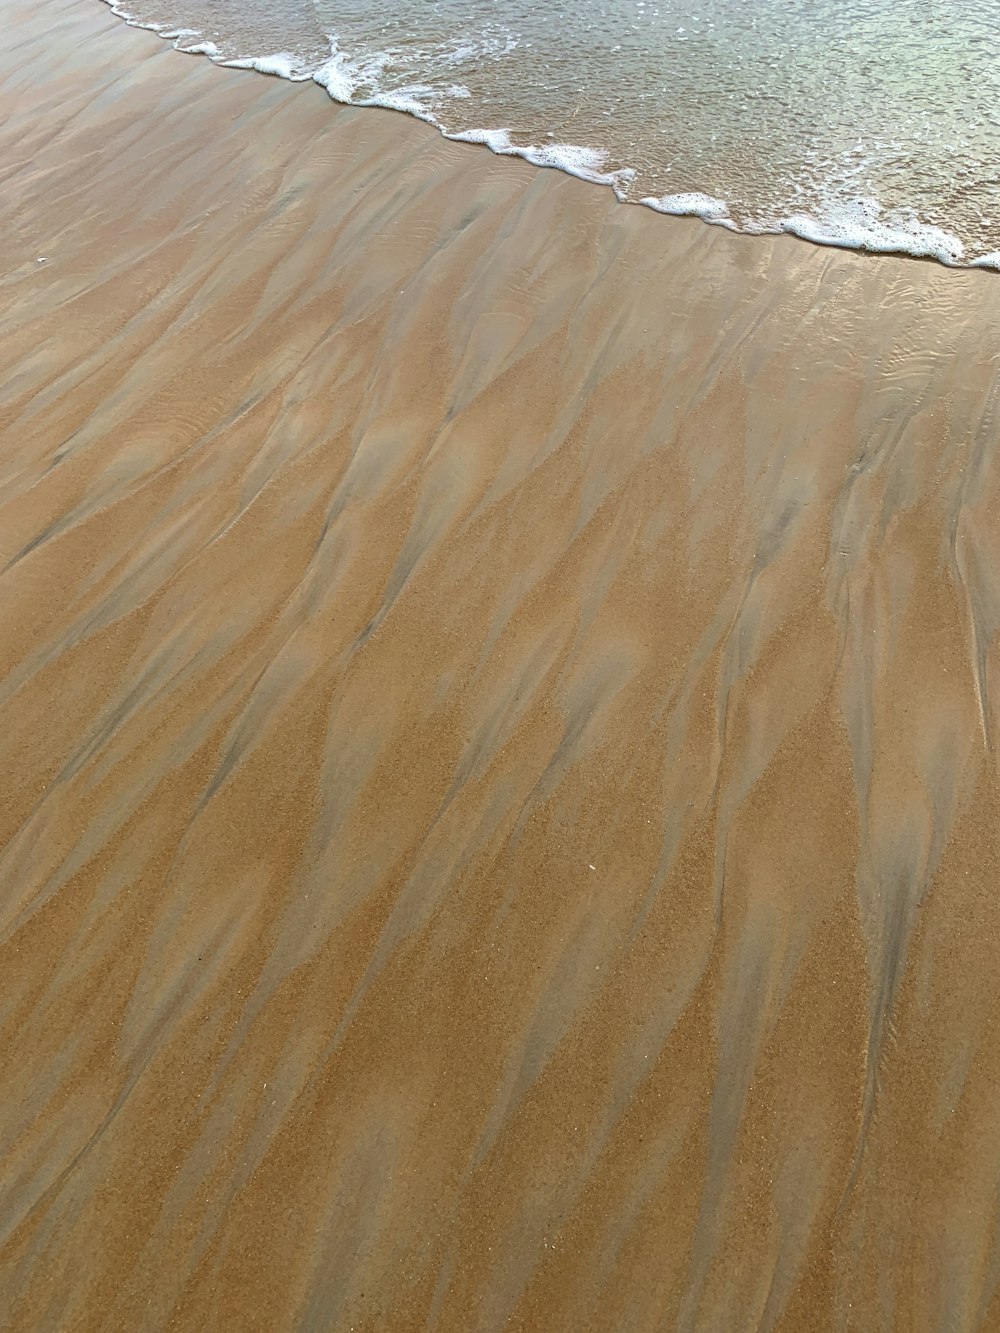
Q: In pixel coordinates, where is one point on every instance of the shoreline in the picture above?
(927, 242)
(498, 731)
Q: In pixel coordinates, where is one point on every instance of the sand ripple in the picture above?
(498, 733)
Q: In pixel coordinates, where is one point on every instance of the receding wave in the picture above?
(797, 167)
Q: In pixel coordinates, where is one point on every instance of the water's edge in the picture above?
(872, 235)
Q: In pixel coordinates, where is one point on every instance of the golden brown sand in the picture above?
(498, 723)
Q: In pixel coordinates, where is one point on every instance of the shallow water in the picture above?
(870, 124)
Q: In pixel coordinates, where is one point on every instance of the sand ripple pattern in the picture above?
(498, 735)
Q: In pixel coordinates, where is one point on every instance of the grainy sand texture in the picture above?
(498, 724)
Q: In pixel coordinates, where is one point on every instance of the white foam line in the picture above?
(862, 226)
(341, 77)
(878, 235)
(573, 159)
(704, 206)
(282, 64)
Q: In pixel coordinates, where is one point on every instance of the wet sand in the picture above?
(498, 721)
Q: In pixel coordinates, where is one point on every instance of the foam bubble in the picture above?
(282, 65)
(407, 100)
(337, 77)
(344, 77)
(497, 141)
(692, 204)
(575, 159)
(199, 49)
(864, 225)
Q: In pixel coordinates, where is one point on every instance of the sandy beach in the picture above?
(498, 736)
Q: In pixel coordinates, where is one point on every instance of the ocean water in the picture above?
(866, 123)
